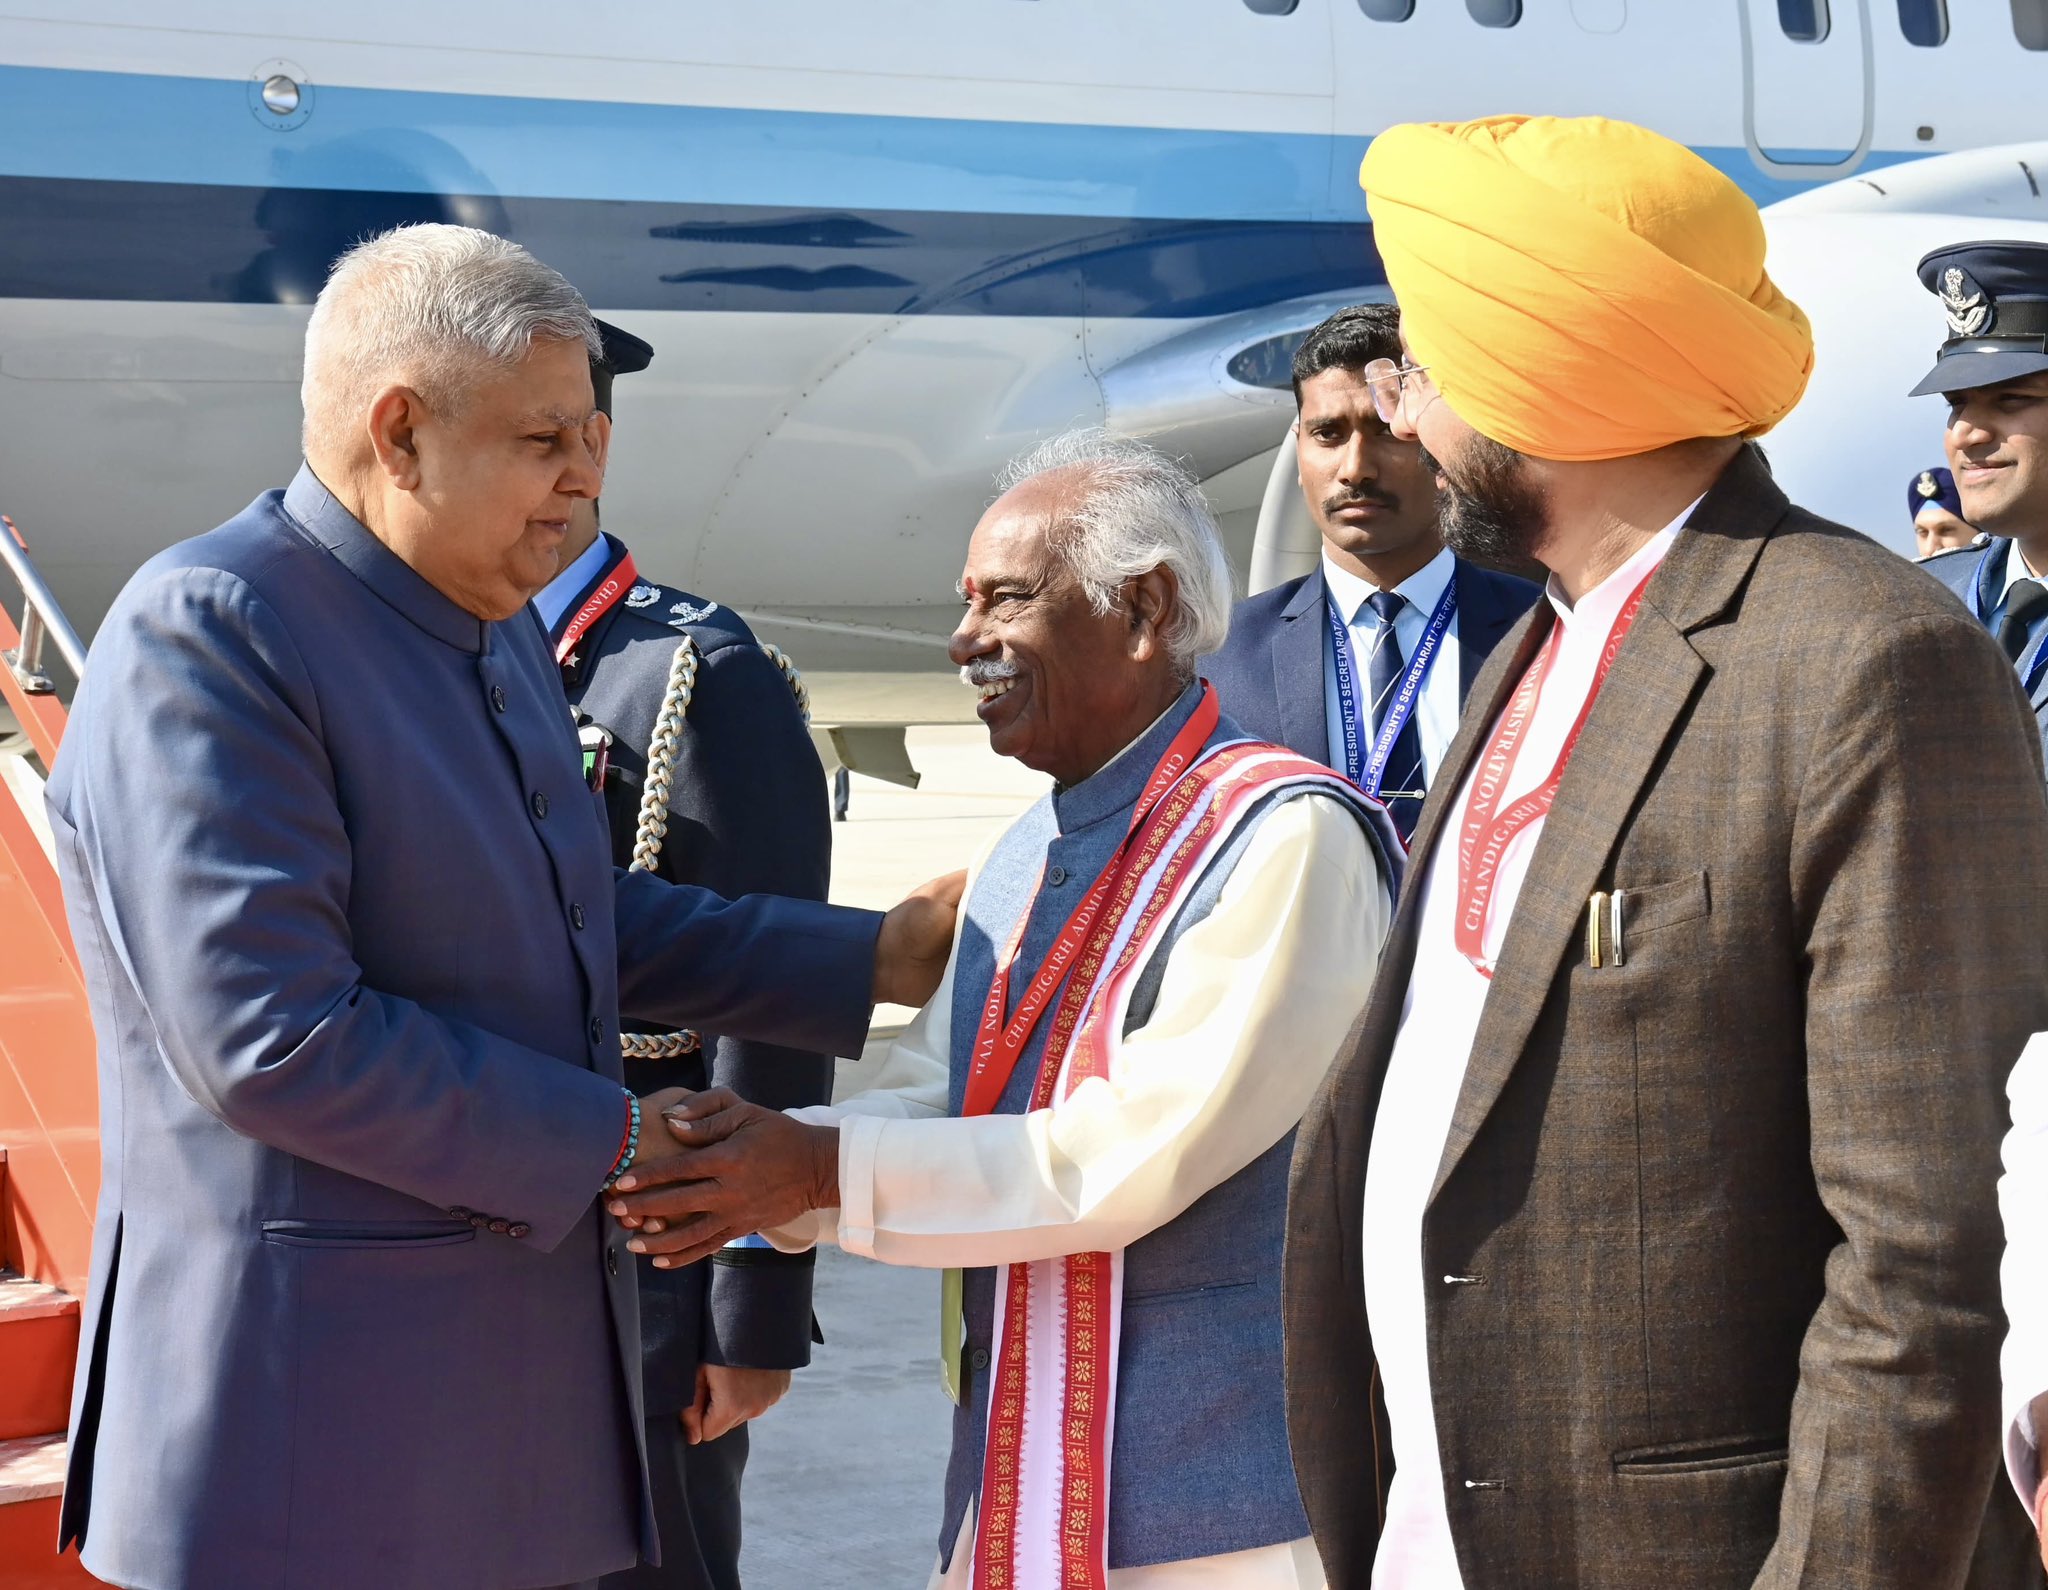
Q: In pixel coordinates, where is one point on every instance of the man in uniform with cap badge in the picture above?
(1937, 514)
(1993, 372)
(697, 736)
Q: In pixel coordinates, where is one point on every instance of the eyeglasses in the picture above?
(1388, 382)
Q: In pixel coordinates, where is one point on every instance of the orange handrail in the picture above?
(49, 1097)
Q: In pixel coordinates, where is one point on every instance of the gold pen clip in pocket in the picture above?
(1606, 944)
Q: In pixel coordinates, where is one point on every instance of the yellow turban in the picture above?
(1582, 288)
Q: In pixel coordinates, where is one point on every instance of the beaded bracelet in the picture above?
(629, 1145)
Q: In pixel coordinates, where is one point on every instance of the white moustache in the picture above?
(991, 676)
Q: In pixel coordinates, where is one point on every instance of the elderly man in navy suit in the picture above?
(1364, 663)
(342, 896)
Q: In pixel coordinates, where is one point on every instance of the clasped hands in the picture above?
(711, 1167)
(727, 1169)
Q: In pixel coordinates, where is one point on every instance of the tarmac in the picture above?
(843, 1489)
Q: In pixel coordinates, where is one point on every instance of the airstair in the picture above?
(49, 1108)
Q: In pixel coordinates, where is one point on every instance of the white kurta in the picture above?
(1439, 1019)
(2023, 1200)
(1254, 1001)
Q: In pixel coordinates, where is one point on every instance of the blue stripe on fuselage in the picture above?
(141, 127)
(176, 189)
(132, 127)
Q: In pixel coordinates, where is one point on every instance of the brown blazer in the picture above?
(1732, 1204)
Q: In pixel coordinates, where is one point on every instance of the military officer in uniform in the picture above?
(696, 734)
(1937, 514)
(1993, 373)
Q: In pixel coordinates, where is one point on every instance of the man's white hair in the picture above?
(437, 308)
(1137, 510)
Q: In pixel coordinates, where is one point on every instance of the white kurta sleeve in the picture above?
(909, 1084)
(1253, 1004)
(2023, 1200)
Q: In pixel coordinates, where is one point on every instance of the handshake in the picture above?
(713, 1167)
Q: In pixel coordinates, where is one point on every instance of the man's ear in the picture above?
(395, 420)
(1152, 598)
(598, 438)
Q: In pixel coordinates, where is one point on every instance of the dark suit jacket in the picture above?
(747, 815)
(1269, 674)
(1731, 1204)
(1976, 575)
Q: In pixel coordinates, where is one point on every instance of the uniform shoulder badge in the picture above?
(643, 595)
(1970, 313)
(686, 613)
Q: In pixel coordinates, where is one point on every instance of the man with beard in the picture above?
(1365, 662)
(1092, 1116)
(1644, 1234)
(1993, 374)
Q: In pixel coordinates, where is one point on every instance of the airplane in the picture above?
(877, 248)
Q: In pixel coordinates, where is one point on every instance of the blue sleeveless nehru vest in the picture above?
(1201, 1464)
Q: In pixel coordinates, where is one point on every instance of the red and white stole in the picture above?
(1044, 1512)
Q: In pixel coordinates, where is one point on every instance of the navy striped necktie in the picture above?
(1383, 679)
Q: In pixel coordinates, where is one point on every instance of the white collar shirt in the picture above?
(555, 597)
(1436, 709)
(1440, 1017)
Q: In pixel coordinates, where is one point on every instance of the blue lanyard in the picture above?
(2031, 660)
(1369, 770)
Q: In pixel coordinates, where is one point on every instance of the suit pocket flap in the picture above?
(1698, 1457)
(368, 1233)
(1663, 905)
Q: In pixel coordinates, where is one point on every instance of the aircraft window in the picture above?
(1804, 21)
(2030, 23)
(1495, 13)
(1924, 22)
(1388, 10)
(1272, 8)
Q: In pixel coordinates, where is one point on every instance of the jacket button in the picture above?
(458, 1213)
(518, 1228)
(498, 697)
(576, 917)
(481, 1222)
(539, 804)
(1056, 877)
(978, 1358)
(597, 1030)
(611, 1260)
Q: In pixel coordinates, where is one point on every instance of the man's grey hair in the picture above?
(1137, 510)
(433, 307)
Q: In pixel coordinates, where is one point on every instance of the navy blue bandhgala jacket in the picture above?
(345, 908)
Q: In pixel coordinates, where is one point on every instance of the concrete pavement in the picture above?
(843, 1489)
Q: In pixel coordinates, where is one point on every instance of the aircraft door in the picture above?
(1806, 92)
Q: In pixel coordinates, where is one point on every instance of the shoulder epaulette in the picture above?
(676, 609)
